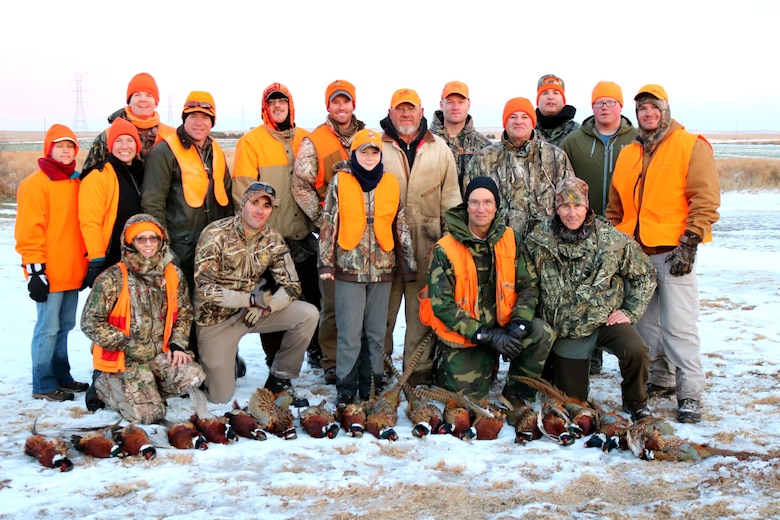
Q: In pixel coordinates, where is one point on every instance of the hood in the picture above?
(457, 221)
(154, 265)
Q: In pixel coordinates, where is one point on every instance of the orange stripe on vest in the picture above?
(194, 177)
(352, 211)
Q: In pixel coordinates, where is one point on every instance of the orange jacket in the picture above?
(47, 229)
(655, 201)
(98, 204)
(329, 152)
(352, 211)
(114, 360)
(466, 285)
(194, 178)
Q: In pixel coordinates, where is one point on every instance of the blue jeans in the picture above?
(56, 317)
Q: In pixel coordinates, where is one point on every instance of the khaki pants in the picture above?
(218, 345)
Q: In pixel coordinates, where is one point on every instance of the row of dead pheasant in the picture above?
(559, 418)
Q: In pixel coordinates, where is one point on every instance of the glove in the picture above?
(260, 296)
(683, 256)
(251, 316)
(505, 344)
(96, 266)
(37, 282)
(518, 329)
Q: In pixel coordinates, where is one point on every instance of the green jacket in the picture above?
(593, 162)
(583, 281)
(441, 277)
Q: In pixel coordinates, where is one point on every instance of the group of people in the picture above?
(543, 249)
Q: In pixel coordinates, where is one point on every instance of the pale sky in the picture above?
(716, 60)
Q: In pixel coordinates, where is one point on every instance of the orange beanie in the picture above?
(342, 87)
(143, 82)
(122, 127)
(519, 104)
(550, 82)
(135, 229)
(55, 134)
(607, 89)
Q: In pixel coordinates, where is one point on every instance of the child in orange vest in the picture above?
(54, 257)
(363, 238)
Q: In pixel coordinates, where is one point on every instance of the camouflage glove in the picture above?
(683, 257)
(37, 282)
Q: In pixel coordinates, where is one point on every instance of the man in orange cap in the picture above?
(326, 145)
(187, 183)
(428, 177)
(555, 119)
(267, 153)
(141, 110)
(525, 168)
(672, 172)
(454, 124)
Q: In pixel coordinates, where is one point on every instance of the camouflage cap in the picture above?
(571, 190)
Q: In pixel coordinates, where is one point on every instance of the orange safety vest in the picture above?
(329, 151)
(114, 360)
(466, 285)
(661, 208)
(194, 177)
(352, 211)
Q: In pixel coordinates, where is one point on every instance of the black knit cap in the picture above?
(482, 182)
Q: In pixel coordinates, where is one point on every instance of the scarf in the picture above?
(368, 179)
(549, 122)
(55, 170)
(346, 135)
(143, 124)
(571, 236)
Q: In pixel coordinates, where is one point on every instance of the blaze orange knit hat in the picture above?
(405, 95)
(122, 127)
(547, 82)
(200, 101)
(455, 87)
(135, 229)
(143, 82)
(607, 89)
(519, 104)
(656, 91)
(365, 138)
(55, 134)
(340, 87)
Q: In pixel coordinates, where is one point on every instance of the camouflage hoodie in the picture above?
(464, 145)
(526, 178)
(441, 277)
(366, 263)
(583, 280)
(148, 302)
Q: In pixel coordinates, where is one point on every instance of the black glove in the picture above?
(499, 340)
(37, 282)
(96, 266)
(683, 256)
(519, 329)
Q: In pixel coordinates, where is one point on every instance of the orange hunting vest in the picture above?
(352, 211)
(466, 288)
(661, 207)
(329, 151)
(114, 360)
(194, 179)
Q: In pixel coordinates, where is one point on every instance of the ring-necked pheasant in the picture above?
(272, 414)
(244, 424)
(581, 414)
(50, 454)
(318, 422)
(134, 441)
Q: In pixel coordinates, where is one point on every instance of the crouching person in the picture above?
(595, 282)
(232, 300)
(480, 300)
(139, 316)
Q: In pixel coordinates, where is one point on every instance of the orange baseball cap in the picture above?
(654, 90)
(340, 87)
(405, 95)
(364, 138)
(455, 87)
(200, 101)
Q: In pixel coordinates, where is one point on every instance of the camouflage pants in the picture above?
(469, 370)
(139, 393)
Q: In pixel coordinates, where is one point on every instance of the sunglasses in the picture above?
(261, 186)
(154, 239)
(200, 104)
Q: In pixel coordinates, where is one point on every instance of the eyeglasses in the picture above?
(487, 204)
(201, 104)
(406, 110)
(154, 239)
(261, 186)
(609, 103)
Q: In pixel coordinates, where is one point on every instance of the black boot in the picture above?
(571, 376)
(240, 366)
(277, 386)
(91, 399)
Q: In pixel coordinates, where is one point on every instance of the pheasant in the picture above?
(216, 430)
(184, 436)
(457, 415)
(134, 441)
(51, 454)
(352, 418)
(244, 424)
(318, 422)
(523, 418)
(581, 414)
(610, 432)
(99, 445)
(425, 416)
(272, 415)
(555, 424)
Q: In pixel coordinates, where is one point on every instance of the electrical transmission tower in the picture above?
(80, 119)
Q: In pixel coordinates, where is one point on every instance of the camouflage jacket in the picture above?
(526, 179)
(99, 150)
(464, 145)
(441, 278)
(583, 281)
(229, 265)
(554, 128)
(368, 262)
(148, 305)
